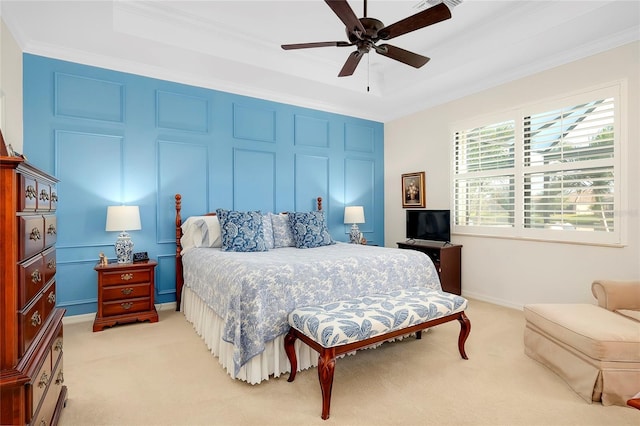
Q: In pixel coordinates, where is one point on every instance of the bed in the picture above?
(238, 301)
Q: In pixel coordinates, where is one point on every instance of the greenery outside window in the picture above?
(550, 171)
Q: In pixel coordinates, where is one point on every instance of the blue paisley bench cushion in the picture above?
(357, 319)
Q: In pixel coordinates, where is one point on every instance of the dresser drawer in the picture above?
(32, 278)
(30, 321)
(28, 196)
(49, 265)
(126, 306)
(50, 230)
(31, 235)
(45, 407)
(126, 276)
(41, 382)
(54, 198)
(33, 317)
(44, 196)
(119, 292)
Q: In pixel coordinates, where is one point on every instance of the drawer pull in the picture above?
(43, 422)
(58, 346)
(36, 319)
(30, 192)
(60, 378)
(54, 197)
(127, 291)
(44, 195)
(126, 277)
(52, 298)
(44, 380)
(126, 305)
(35, 234)
(51, 264)
(51, 230)
(36, 277)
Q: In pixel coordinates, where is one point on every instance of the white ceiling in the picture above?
(234, 46)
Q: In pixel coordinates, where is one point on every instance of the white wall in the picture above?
(10, 88)
(507, 271)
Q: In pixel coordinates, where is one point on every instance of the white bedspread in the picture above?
(254, 292)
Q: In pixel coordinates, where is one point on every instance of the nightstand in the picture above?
(125, 293)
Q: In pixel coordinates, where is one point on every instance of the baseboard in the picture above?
(74, 319)
(493, 300)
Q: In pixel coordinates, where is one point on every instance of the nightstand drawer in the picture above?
(120, 292)
(126, 276)
(127, 306)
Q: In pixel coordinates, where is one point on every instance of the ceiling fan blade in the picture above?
(347, 16)
(402, 55)
(352, 62)
(316, 44)
(433, 15)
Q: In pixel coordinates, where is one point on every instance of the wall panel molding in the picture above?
(75, 96)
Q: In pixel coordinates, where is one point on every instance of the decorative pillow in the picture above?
(267, 230)
(282, 236)
(309, 230)
(241, 231)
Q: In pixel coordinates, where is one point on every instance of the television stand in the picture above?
(447, 259)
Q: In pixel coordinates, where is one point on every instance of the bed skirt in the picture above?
(270, 363)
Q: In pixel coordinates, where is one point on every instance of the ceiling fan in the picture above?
(365, 32)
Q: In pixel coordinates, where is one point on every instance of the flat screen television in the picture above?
(433, 225)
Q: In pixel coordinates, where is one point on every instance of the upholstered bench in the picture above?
(345, 326)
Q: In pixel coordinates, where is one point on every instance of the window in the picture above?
(549, 171)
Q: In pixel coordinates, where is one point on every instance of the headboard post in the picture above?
(319, 203)
(179, 277)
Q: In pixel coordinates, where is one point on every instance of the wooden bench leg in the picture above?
(465, 329)
(326, 367)
(289, 348)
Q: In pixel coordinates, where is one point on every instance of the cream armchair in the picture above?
(594, 348)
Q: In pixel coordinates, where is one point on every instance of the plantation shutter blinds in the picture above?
(484, 169)
(568, 170)
(549, 173)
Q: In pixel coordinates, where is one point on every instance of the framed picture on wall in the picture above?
(413, 190)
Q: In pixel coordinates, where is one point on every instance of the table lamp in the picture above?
(123, 219)
(354, 215)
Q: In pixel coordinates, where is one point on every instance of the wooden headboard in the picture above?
(179, 276)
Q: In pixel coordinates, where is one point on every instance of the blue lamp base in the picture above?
(124, 248)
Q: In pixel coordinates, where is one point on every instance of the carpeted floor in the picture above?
(162, 374)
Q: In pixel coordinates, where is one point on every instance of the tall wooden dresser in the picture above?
(31, 373)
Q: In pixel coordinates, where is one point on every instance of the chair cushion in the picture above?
(357, 319)
(596, 332)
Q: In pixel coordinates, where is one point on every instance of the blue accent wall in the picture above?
(114, 138)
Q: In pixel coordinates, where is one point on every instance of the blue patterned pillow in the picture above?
(282, 236)
(267, 229)
(309, 230)
(241, 231)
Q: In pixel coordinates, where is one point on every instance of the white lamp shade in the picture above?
(123, 218)
(354, 214)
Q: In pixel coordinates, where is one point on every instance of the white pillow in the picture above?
(201, 231)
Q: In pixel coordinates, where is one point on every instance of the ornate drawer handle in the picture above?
(60, 378)
(30, 192)
(44, 195)
(35, 234)
(126, 277)
(51, 298)
(54, 197)
(51, 264)
(44, 380)
(58, 346)
(51, 230)
(127, 291)
(36, 319)
(36, 277)
(43, 422)
(126, 305)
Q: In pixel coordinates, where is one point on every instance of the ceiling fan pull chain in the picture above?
(368, 71)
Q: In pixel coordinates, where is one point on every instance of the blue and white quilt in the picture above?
(255, 292)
